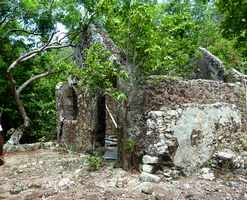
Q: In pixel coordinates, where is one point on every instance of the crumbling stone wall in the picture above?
(92, 122)
(188, 135)
(76, 117)
(179, 123)
(209, 66)
(182, 122)
(164, 91)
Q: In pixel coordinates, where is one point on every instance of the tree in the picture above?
(25, 26)
(50, 44)
(29, 26)
(155, 38)
(234, 18)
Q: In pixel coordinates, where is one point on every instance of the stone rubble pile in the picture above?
(228, 159)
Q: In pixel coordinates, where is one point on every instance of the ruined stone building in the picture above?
(166, 122)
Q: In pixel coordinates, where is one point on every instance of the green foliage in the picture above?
(94, 162)
(234, 21)
(155, 37)
(158, 38)
(129, 145)
(234, 16)
(244, 143)
(100, 73)
(164, 38)
(18, 21)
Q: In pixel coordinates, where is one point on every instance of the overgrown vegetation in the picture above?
(94, 162)
(158, 38)
(100, 72)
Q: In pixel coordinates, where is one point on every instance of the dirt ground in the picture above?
(49, 174)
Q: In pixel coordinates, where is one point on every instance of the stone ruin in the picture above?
(171, 125)
(182, 123)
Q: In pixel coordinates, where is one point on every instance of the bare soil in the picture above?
(49, 174)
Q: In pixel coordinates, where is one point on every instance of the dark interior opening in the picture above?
(75, 104)
(101, 121)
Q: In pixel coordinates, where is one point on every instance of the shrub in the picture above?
(94, 162)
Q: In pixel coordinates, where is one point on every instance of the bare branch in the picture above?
(111, 116)
(50, 40)
(29, 56)
(3, 20)
(65, 36)
(33, 78)
(57, 47)
(18, 101)
(17, 91)
(22, 58)
(239, 74)
(24, 31)
(34, 53)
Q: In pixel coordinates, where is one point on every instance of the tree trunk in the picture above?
(19, 103)
(21, 108)
(125, 155)
(1, 144)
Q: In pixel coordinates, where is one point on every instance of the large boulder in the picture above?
(209, 66)
(188, 136)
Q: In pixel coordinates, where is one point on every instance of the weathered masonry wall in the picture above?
(76, 117)
(181, 123)
(175, 123)
(164, 91)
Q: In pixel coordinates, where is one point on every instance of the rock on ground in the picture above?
(55, 175)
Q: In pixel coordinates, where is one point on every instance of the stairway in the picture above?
(111, 148)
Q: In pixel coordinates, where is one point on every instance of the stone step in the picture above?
(111, 153)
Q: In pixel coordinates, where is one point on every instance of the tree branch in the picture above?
(19, 103)
(33, 78)
(24, 31)
(111, 116)
(3, 21)
(33, 53)
(50, 44)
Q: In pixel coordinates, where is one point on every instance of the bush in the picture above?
(94, 162)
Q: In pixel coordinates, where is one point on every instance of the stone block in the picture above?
(150, 159)
(148, 168)
(147, 177)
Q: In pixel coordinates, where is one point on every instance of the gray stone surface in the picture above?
(111, 153)
(225, 154)
(9, 148)
(195, 131)
(15, 136)
(148, 168)
(146, 159)
(207, 173)
(209, 66)
(147, 177)
(186, 136)
(76, 117)
(226, 159)
(147, 188)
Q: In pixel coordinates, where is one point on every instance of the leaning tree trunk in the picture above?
(17, 134)
(21, 108)
(1, 143)
(16, 91)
